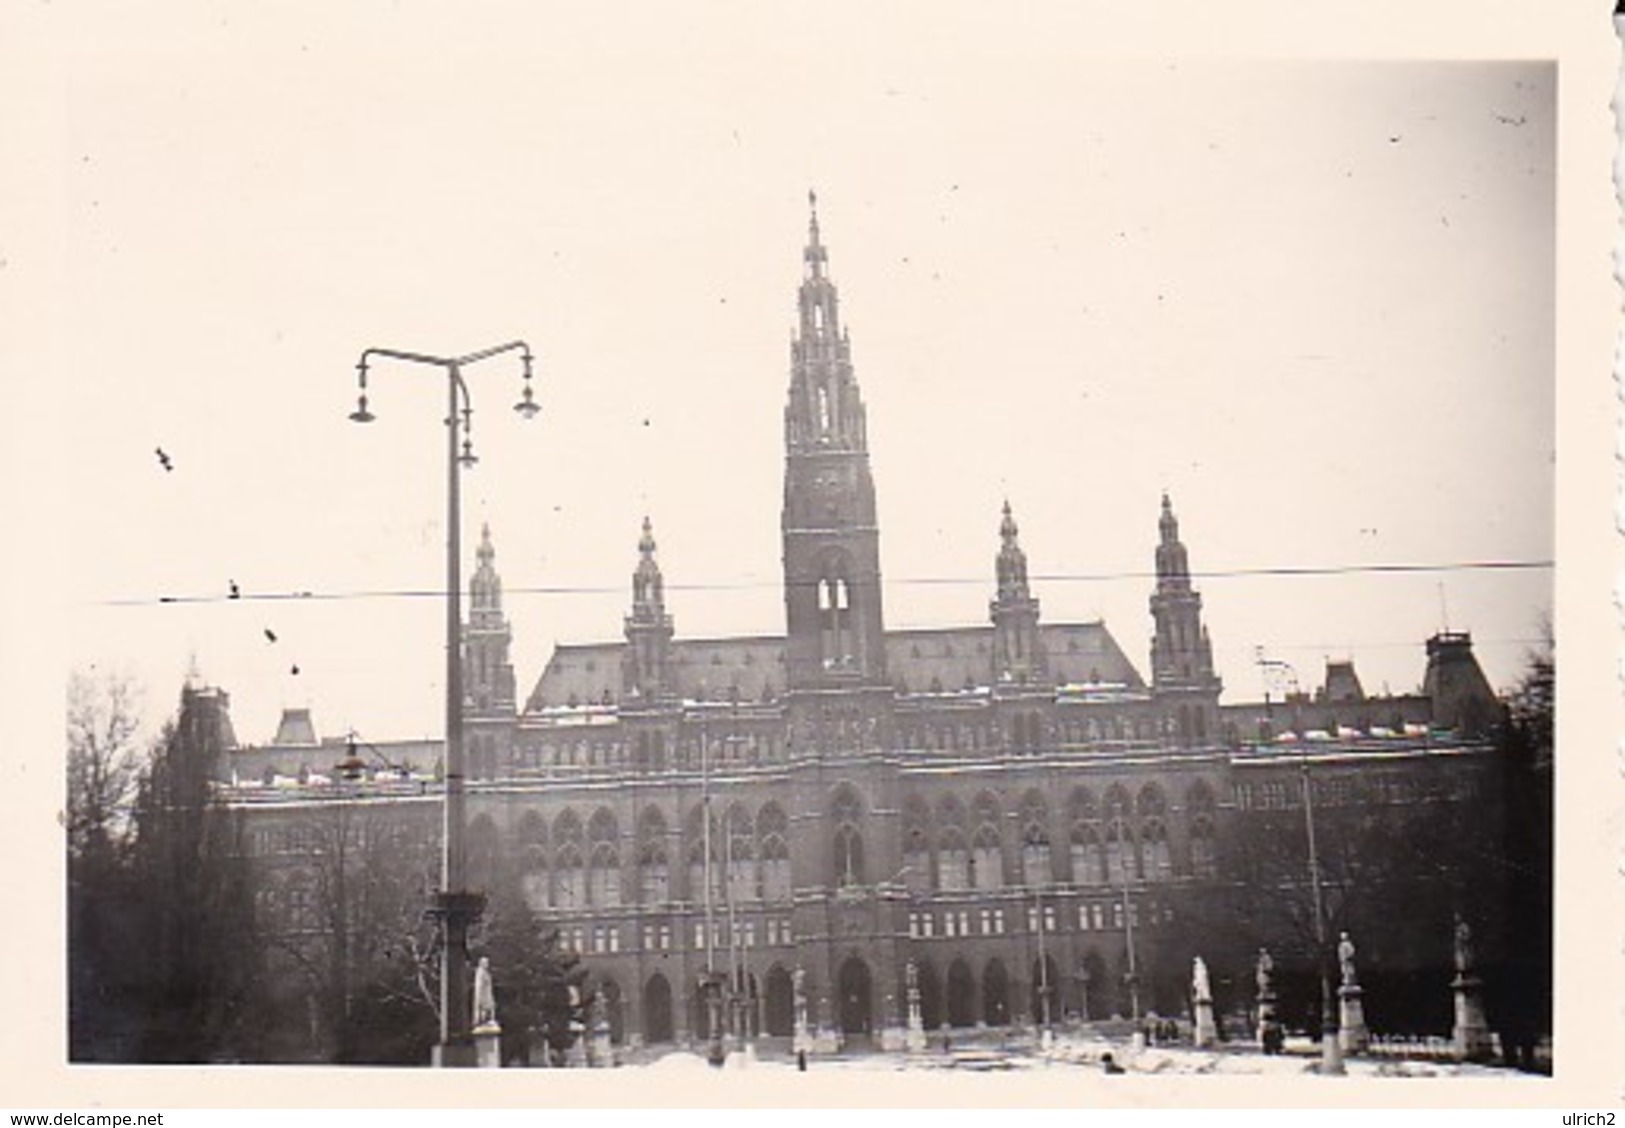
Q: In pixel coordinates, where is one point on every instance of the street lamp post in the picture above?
(1133, 970)
(1043, 967)
(454, 907)
(1331, 1055)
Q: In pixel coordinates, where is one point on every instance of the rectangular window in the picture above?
(1032, 918)
(987, 921)
(750, 934)
(1049, 918)
(913, 926)
(1097, 917)
(927, 924)
(998, 921)
(699, 937)
(614, 938)
(1117, 914)
(1083, 918)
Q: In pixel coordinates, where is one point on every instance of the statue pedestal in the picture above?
(488, 1046)
(893, 1039)
(1207, 1031)
(1270, 1035)
(599, 1052)
(454, 1055)
(802, 1041)
(1471, 1034)
(1352, 1034)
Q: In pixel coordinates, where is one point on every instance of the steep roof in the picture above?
(919, 661)
(296, 727)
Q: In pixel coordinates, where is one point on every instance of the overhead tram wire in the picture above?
(1285, 570)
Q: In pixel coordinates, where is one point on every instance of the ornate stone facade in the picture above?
(1009, 807)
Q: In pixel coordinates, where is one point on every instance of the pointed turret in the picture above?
(485, 589)
(648, 628)
(489, 708)
(1018, 656)
(1181, 653)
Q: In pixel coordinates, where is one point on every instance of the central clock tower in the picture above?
(835, 633)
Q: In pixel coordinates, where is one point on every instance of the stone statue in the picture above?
(1200, 986)
(912, 973)
(1464, 947)
(485, 1000)
(1345, 959)
(1264, 971)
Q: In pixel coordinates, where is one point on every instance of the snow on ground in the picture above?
(1085, 1053)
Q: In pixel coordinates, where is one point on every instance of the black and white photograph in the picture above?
(674, 549)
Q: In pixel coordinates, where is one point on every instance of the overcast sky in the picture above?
(1315, 302)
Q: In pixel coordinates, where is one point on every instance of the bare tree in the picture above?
(103, 761)
(104, 765)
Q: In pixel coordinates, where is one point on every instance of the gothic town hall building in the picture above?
(1043, 831)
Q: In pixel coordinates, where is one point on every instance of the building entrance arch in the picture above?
(780, 1012)
(657, 1025)
(996, 994)
(855, 991)
(961, 995)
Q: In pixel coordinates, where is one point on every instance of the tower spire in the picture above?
(648, 628)
(831, 543)
(1018, 653)
(815, 255)
(489, 706)
(648, 586)
(1181, 652)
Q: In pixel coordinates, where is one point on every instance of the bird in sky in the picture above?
(270, 635)
(164, 460)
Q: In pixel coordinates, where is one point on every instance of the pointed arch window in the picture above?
(569, 871)
(916, 846)
(654, 870)
(1088, 859)
(741, 855)
(835, 621)
(772, 830)
(987, 860)
(533, 859)
(1155, 858)
(847, 841)
(1199, 807)
(1035, 847)
(569, 887)
(698, 861)
(605, 870)
(953, 860)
